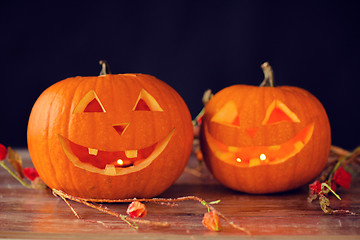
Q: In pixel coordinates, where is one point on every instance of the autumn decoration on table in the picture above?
(112, 136)
(126, 138)
(211, 221)
(136, 209)
(28, 176)
(335, 175)
(264, 139)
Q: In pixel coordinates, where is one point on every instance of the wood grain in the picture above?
(37, 214)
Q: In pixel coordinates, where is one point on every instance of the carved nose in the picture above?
(120, 128)
(252, 132)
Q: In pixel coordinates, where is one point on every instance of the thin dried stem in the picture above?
(101, 208)
(110, 212)
(339, 151)
(345, 160)
(71, 207)
(154, 200)
(352, 157)
(344, 212)
(2, 164)
(340, 158)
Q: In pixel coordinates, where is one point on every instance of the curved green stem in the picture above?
(201, 113)
(323, 185)
(14, 175)
(205, 99)
(340, 162)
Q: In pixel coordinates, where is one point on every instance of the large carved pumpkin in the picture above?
(265, 139)
(111, 136)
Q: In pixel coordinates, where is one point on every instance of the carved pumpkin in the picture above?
(265, 139)
(111, 136)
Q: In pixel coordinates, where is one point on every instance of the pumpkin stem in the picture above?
(105, 68)
(268, 75)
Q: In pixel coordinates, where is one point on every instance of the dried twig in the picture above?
(340, 158)
(339, 151)
(193, 171)
(91, 203)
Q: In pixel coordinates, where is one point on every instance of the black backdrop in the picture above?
(192, 45)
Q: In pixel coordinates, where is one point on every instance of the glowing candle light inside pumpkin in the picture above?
(262, 157)
(120, 162)
(238, 159)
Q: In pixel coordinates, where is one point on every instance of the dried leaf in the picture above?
(16, 162)
(38, 183)
(312, 197)
(211, 221)
(325, 204)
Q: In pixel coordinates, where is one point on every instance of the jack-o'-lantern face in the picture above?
(114, 162)
(264, 139)
(249, 156)
(112, 136)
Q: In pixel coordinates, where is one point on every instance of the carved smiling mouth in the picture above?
(251, 156)
(113, 163)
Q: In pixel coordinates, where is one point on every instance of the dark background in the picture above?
(191, 45)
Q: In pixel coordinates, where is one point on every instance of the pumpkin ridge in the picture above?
(78, 81)
(48, 152)
(68, 176)
(48, 127)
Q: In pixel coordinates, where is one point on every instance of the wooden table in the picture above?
(37, 214)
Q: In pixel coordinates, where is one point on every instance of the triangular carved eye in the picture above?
(228, 114)
(89, 103)
(146, 102)
(279, 112)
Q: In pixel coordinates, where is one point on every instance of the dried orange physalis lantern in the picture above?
(265, 139)
(111, 136)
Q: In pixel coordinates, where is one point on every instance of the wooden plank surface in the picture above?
(37, 214)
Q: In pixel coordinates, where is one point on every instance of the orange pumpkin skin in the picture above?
(80, 127)
(277, 138)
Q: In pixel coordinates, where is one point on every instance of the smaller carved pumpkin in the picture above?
(111, 136)
(265, 139)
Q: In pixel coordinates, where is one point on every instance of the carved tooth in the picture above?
(224, 155)
(93, 151)
(110, 170)
(274, 147)
(131, 153)
(234, 149)
(254, 162)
